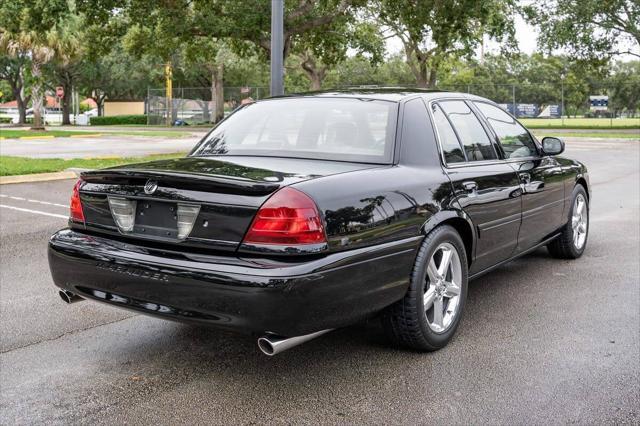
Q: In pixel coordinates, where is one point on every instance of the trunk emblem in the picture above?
(150, 187)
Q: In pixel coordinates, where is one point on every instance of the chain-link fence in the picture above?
(197, 105)
(560, 99)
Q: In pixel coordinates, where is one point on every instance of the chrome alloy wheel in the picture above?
(579, 222)
(442, 287)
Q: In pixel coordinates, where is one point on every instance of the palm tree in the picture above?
(41, 47)
(69, 55)
(38, 47)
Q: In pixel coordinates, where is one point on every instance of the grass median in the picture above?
(16, 134)
(11, 166)
(581, 123)
(595, 135)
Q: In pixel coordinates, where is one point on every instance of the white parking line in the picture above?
(33, 201)
(34, 211)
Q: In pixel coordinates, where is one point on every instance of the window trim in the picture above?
(455, 132)
(467, 163)
(495, 134)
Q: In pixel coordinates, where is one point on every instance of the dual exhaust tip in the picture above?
(269, 344)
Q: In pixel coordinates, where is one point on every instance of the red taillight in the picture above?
(289, 217)
(76, 213)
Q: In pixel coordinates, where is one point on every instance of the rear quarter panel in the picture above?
(378, 205)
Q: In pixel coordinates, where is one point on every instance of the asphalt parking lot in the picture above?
(542, 340)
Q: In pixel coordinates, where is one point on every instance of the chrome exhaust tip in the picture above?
(69, 297)
(271, 344)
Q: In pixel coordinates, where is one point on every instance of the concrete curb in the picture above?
(38, 177)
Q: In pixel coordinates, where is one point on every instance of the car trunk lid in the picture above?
(214, 198)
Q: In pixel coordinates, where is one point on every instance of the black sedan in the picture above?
(300, 214)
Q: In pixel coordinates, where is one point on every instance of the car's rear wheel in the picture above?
(427, 317)
(573, 239)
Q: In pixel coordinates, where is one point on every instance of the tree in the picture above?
(587, 28)
(33, 28)
(66, 66)
(432, 31)
(624, 87)
(118, 75)
(245, 25)
(13, 70)
(320, 50)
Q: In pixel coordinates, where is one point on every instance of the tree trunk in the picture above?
(37, 96)
(218, 91)
(432, 77)
(22, 111)
(22, 106)
(316, 82)
(99, 100)
(422, 80)
(311, 70)
(66, 104)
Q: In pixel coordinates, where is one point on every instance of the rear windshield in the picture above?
(344, 129)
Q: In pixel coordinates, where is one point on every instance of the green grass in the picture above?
(55, 133)
(163, 133)
(605, 135)
(159, 126)
(581, 123)
(10, 166)
(8, 134)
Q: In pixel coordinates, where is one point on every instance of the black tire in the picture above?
(564, 247)
(405, 322)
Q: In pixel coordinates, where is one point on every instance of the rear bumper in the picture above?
(241, 294)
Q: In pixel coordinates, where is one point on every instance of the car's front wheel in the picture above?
(427, 317)
(573, 239)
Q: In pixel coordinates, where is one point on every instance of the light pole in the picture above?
(562, 76)
(277, 48)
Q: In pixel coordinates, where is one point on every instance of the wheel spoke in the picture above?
(444, 263)
(429, 297)
(437, 312)
(432, 271)
(579, 207)
(452, 290)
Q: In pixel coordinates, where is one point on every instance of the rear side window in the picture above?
(476, 142)
(515, 140)
(451, 147)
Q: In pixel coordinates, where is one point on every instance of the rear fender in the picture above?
(456, 218)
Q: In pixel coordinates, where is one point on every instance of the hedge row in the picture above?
(119, 119)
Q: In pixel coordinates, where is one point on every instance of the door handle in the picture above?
(470, 186)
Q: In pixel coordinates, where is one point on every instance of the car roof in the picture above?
(395, 94)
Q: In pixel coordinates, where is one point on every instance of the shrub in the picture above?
(5, 119)
(119, 119)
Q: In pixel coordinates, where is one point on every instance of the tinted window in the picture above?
(316, 128)
(418, 145)
(448, 140)
(475, 141)
(515, 140)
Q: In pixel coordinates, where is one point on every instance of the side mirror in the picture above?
(552, 146)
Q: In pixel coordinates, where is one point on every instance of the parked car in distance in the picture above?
(301, 214)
